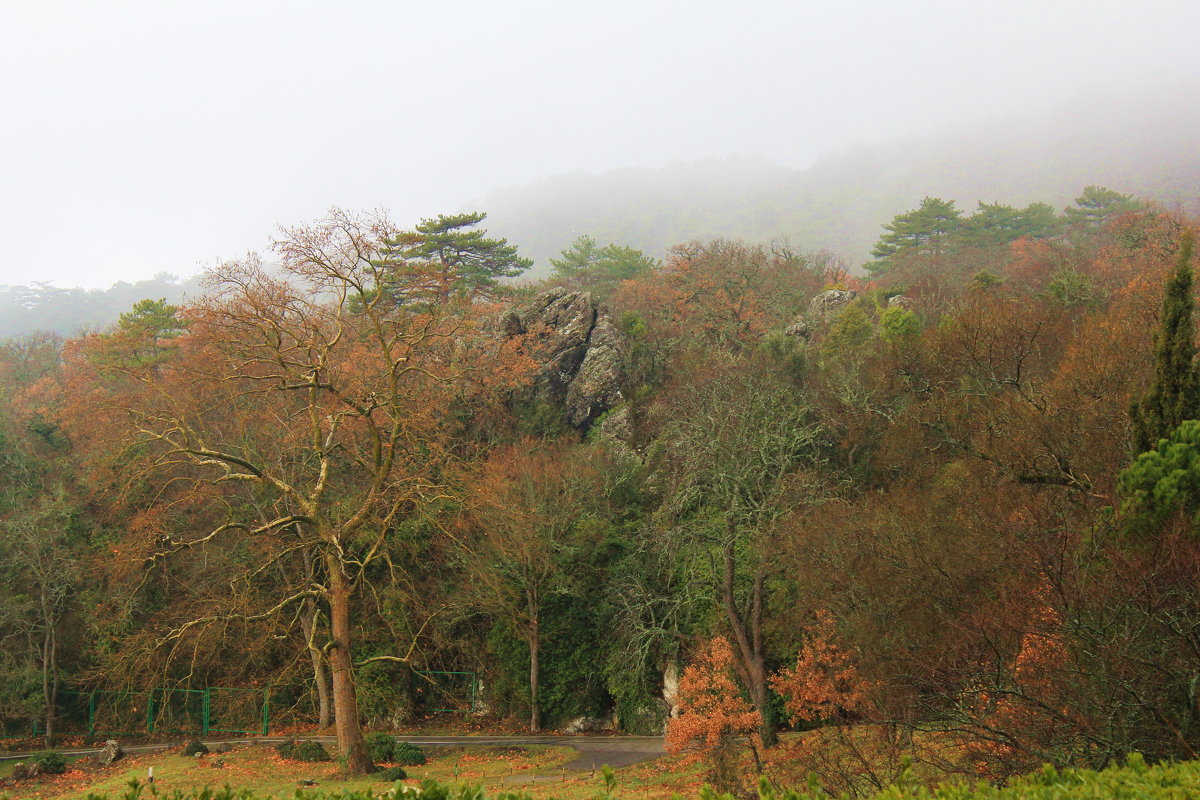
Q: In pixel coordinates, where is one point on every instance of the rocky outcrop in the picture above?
(582, 352)
(822, 310)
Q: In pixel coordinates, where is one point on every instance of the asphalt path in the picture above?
(593, 751)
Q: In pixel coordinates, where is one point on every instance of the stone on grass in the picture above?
(109, 753)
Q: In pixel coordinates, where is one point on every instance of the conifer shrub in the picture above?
(51, 762)
(393, 774)
(310, 751)
(381, 747)
(408, 754)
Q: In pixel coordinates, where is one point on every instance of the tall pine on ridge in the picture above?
(1175, 394)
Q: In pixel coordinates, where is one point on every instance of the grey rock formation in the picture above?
(582, 351)
(109, 753)
(822, 310)
(589, 725)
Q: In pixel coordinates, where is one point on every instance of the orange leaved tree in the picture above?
(300, 417)
(714, 716)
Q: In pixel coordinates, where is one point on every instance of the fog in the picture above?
(140, 137)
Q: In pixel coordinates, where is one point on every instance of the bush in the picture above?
(285, 749)
(310, 751)
(380, 747)
(195, 749)
(393, 774)
(407, 754)
(51, 762)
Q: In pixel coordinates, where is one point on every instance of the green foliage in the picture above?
(393, 774)
(407, 754)
(1175, 394)
(923, 230)
(309, 751)
(195, 748)
(306, 750)
(51, 762)
(1070, 287)
(1097, 205)
(852, 329)
(380, 746)
(995, 224)
(600, 269)
(898, 324)
(1164, 480)
(463, 260)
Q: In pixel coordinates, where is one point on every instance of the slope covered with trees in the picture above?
(943, 516)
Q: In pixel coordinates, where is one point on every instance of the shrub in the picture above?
(310, 751)
(195, 749)
(285, 749)
(50, 761)
(380, 747)
(393, 774)
(408, 754)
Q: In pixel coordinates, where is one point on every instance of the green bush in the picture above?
(407, 754)
(393, 774)
(381, 747)
(285, 749)
(50, 761)
(310, 751)
(195, 749)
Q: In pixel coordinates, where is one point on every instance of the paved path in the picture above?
(616, 751)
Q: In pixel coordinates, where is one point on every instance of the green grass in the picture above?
(259, 770)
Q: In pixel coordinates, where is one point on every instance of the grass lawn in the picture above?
(536, 769)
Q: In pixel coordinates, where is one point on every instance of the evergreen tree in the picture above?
(441, 257)
(1175, 394)
(1096, 205)
(600, 269)
(924, 230)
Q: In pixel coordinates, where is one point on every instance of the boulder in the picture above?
(223, 747)
(24, 771)
(822, 310)
(109, 753)
(581, 351)
(588, 725)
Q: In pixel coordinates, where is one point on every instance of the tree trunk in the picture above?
(320, 673)
(535, 724)
(747, 635)
(49, 671)
(345, 696)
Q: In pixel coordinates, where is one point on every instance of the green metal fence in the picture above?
(442, 690)
(216, 709)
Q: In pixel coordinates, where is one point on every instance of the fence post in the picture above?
(150, 712)
(91, 714)
(266, 720)
(205, 721)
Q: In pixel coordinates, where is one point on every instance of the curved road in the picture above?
(615, 751)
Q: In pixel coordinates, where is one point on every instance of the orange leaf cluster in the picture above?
(824, 683)
(713, 710)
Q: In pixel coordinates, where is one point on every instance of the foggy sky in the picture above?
(146, 136)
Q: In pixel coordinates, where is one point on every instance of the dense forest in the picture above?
(943, 513)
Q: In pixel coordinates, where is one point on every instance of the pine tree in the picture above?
(1175, 394)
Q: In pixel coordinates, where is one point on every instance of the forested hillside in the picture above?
(838, 202)
(942, 516)
(40, 306)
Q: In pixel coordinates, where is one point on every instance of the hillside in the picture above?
(1142, 146)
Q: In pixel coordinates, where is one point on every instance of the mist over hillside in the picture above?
(45, 308)
(1144, 145)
